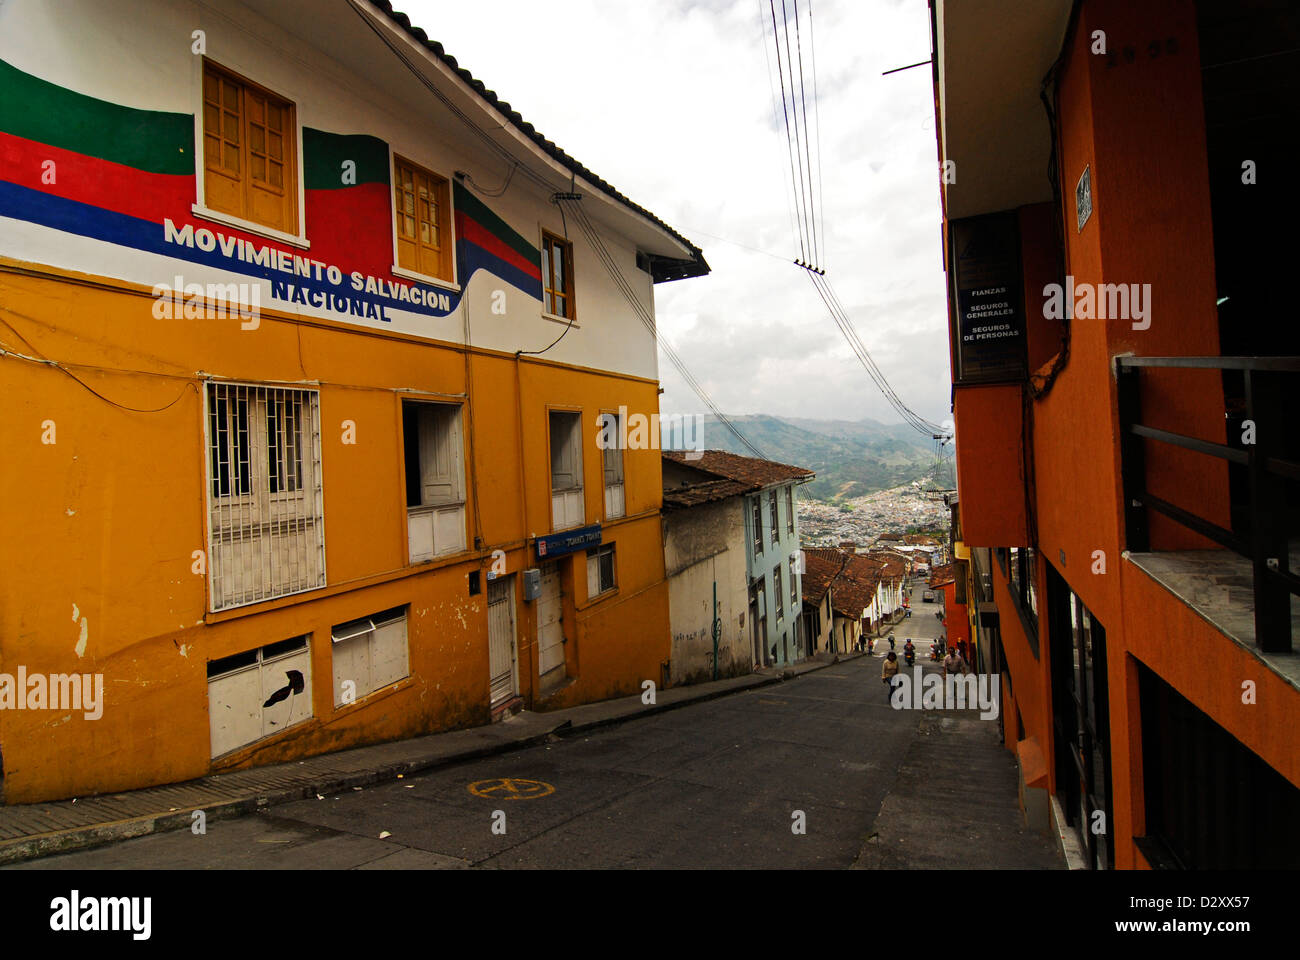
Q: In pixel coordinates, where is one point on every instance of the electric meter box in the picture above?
(532, 584)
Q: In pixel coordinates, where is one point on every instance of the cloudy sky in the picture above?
(671, 102)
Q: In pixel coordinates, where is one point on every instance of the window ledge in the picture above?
(249, 226)
(597, 599)
(397, 686)
(564, 320)
(406, 274)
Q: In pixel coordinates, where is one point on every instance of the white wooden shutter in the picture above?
(566, 464)
(437, 455)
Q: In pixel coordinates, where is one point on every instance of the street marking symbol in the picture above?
(511, 788)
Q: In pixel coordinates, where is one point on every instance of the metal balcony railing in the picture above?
(1264, 541)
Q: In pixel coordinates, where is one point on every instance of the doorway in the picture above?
(1081, 719)
(550, 627)
(758, 622)
(503, 659)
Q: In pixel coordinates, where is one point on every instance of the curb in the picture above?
(650, 709)
(41, 845)
(95, 835)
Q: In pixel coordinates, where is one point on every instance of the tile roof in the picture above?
(819, 570)
(853, 585)
(941, 575)
(662, 268)
(856, 586)
(707, 491)
(895, 564)
(751, 470)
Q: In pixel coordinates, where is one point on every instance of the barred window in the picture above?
(600, 571)
(265, 528)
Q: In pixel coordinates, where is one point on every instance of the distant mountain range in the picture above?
(851, 458)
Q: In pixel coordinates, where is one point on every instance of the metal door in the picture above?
(1080, 715)
(502, 658)
(550, 625)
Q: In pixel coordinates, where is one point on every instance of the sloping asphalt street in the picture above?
(817, 772)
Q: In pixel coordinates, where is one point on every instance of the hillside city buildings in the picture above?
(903, 508)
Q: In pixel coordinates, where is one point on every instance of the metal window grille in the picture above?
(266, 534)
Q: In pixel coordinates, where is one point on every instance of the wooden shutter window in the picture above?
(557, 277)
(249, 135)
(422, 210)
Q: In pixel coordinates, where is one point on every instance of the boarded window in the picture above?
(369, 654)
(258, 693)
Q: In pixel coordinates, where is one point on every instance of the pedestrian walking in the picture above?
(888, 671)
(954, 664)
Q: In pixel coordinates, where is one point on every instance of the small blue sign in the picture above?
(570, 541)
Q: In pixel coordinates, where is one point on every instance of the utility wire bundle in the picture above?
(807, 212)
(574, 208)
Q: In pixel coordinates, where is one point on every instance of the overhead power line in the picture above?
(615, 272)
(806, 190)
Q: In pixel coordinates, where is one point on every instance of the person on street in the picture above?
(888, 671)
(954, 664)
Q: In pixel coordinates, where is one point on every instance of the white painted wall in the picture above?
(704, 545)
(138, 53)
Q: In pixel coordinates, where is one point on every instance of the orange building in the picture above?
(308, 342)
(1109, 173)
(956, 614)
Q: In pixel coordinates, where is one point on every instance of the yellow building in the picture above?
(307, 341)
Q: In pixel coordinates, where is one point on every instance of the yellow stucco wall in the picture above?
(105, 520)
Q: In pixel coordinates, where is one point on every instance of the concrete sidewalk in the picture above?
(29, 831)
(955, 805)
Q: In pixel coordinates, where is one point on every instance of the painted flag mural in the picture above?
(126, 176)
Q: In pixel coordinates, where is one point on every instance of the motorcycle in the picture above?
(909, 654)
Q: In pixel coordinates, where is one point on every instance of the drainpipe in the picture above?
(717, 629)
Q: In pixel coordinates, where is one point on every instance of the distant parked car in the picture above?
(928, 596)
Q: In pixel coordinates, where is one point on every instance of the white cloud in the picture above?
(671, 103)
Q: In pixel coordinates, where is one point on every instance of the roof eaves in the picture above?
(662, 269)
